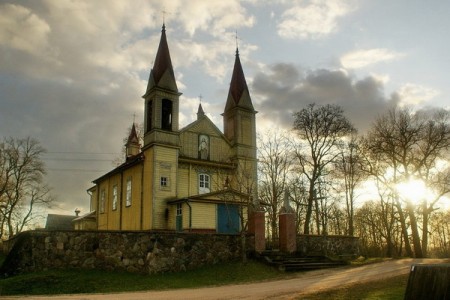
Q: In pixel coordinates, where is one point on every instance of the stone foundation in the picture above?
(139, 252)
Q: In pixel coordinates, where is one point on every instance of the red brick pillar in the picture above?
(287, 232)
(256, 226)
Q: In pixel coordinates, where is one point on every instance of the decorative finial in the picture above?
(237, 42)
(164, 12)
(200, 97)
(134, 118)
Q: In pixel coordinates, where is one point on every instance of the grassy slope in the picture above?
(96, 281)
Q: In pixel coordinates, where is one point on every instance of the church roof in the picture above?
(221, 196)
(59, 222)
(162, 73)
(238, 94)
(134, 160)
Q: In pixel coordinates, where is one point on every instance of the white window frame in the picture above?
(204, 183)
(102, 201)
(114, 197)
(128, 195)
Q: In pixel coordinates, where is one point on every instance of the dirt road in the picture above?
(304, 283)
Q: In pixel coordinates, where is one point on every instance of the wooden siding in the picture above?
(204, 216)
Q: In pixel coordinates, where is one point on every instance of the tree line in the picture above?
(342, 182)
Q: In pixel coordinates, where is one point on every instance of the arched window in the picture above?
(204, 184)
(166, 115)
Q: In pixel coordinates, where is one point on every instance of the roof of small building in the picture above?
(59, 222)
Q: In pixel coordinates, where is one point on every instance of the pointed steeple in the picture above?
(162, 74)
(200, 112)
(238, 95)
(132, 146)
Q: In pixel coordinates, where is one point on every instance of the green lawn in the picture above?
(96, 281)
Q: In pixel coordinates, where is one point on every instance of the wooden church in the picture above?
(195, 178)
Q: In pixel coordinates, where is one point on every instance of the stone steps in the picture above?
(295, 262)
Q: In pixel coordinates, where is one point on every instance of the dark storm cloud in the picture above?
(286, 89)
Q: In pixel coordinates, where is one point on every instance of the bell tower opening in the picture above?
(166, 115)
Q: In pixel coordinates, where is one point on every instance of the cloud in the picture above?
(21, 29)
(285, 89)
(416, 95)
(313, 20)
(363, 58)
(214, 17)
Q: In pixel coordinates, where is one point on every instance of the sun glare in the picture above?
(414, 190)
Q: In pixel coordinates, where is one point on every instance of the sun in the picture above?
(413, 190)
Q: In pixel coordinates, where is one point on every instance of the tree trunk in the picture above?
(401, 215)
(415, 232)
(426, 217)
(306, 229)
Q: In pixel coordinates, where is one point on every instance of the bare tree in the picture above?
(22, 188)
(408, 146)
(348, 170)
(320, 129)
(274, 162)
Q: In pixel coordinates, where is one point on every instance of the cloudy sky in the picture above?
(72, 73)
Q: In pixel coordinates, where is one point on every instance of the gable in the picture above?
(218, 146)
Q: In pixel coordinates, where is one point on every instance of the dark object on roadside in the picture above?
(428, 282)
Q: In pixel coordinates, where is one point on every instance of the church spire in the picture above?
(162, 74)
(200, 112)
(238, 94)
(132, 146)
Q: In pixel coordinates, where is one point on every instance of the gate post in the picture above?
(256, 226)
(287, 230)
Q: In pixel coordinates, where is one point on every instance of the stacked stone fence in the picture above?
(140, 252)
(338, 246)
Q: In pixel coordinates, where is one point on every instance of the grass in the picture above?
(74, 281)
(96, 281)
(387, 289)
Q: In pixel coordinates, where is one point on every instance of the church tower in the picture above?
(161, 99)
(239, 122)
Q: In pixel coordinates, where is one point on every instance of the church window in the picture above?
(149, 115)
(128, 199)
(114, 197)
(204, 184)
(102, 201)
(203, 146)
(166, 115)
(164, 182)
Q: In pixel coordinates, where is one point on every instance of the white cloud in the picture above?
(214, 17)
(23, 30)
(316, 19)
(363, 58)
(415, 94)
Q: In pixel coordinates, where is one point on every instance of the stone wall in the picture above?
(330, 245)
(140, 252)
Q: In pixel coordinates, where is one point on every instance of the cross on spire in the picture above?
(200, 97)
(237, 39)
(164, 12)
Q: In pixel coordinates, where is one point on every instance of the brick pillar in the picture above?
(256, 226)
(287, 232)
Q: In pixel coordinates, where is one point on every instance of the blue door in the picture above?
(228, 220)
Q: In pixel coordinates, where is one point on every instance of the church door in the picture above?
(228, 218)
(179, 217)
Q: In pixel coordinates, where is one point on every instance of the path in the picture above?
(305, 282)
